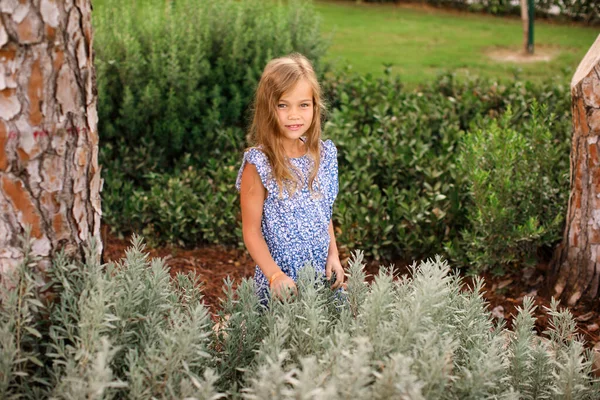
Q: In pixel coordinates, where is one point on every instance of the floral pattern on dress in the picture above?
(295, 228)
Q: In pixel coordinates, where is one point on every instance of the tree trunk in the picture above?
(576, 263)
(49, 174)
(525, 20)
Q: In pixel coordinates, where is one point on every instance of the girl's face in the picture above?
(295, 110)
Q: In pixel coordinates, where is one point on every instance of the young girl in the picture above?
(288, 180)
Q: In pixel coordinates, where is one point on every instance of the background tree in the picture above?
(527, 12)
(576, 263)
(49, 174)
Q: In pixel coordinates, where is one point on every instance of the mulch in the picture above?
(212, 264)
(504, 294)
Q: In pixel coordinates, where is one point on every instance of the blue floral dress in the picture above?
(295, 227)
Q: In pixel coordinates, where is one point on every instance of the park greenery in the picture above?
(580, 10)
(173, 138)
(128, 330)
(419, 44)
(475, 170)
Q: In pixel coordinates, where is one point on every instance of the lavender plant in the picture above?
(420, 337)
(122, 330)
(129, 330)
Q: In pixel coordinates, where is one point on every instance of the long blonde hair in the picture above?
(279, 76)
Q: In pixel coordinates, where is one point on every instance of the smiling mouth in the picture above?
(298, 126)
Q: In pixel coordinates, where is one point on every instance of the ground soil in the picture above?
(519, 56)
(504, 294)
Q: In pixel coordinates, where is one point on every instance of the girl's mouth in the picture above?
(294, 127)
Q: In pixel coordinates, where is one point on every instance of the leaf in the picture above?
(33, 331)
(36, 361)
(36, 302)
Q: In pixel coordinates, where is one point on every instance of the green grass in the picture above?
(421, 43)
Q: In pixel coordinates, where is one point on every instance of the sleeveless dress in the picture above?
(295, 227)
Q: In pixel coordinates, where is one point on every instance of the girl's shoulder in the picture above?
(328, 145)
(254, 155)
(328, 149)
(257, 156)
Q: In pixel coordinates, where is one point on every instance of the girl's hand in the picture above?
(334, 265)
(282, 285)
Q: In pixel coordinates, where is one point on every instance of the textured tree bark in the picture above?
(576, 263)
(525, 21)
(49, 174)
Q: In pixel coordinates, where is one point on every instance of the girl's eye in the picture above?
(281, 105)
(305, 105)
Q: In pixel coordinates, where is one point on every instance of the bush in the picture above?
(519, 188)
(178, 75)
(122, 330)
(396, 167)
(578, 10)
(402, 193)
(189, 206)
(129, 331)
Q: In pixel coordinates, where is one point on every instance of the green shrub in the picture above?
(122, 330)
(188, 207)
(402, 193)
(401, 190)
(131, 331)
(519, 183)
(178, 75)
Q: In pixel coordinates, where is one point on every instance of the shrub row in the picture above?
(130, 331)
(577, 10)
(402, 190)
(186, 207)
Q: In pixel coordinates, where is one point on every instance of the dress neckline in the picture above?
(303, 155)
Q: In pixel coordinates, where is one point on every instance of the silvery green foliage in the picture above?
(20, 329)
(128, 330)
(425, 336)
(80, 348)
(124, 330)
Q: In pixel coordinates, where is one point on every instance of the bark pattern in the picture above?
(49, 173)
(576, 264)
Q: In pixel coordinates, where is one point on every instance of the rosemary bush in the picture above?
(129, 330)
(177, 76)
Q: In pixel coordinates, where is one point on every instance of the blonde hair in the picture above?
(279, 76)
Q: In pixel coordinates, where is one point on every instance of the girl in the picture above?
(288, 180)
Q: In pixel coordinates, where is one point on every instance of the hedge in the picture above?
(587, 11)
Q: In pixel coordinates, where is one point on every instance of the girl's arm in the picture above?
(252, 198)
(333, 260)
(333, 250)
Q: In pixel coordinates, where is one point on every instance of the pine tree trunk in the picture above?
(49, 174)
(576, 263)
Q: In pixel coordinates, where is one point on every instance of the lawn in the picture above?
(420, 43)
